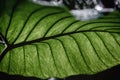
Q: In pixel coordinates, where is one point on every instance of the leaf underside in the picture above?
(44, 41)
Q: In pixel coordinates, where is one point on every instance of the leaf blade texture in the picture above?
(44, 41)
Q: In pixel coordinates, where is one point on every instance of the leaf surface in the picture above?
(44, 41)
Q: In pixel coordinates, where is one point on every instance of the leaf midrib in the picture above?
(12, 46)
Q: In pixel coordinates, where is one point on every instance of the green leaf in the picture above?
(44, 41)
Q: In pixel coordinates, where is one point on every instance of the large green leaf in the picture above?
(43, 41)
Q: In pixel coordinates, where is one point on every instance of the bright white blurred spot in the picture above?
(52, 79)
(102, 10)
(85, 14)
(108, 10)
(56, 2)
(98, 7)
(48, 3)
(117, 2)
(34, 0)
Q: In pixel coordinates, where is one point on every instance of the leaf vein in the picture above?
(95, 50)
(96, 22)
(52, 56)
(66, 53)
(11, 17)
(40, 20)
(89, 68)
(39, 60)
(56, 23)
(106, 47)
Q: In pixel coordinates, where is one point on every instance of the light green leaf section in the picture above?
(1, 48)
(45, 42)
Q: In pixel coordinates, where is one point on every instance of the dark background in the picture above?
(109, 74)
